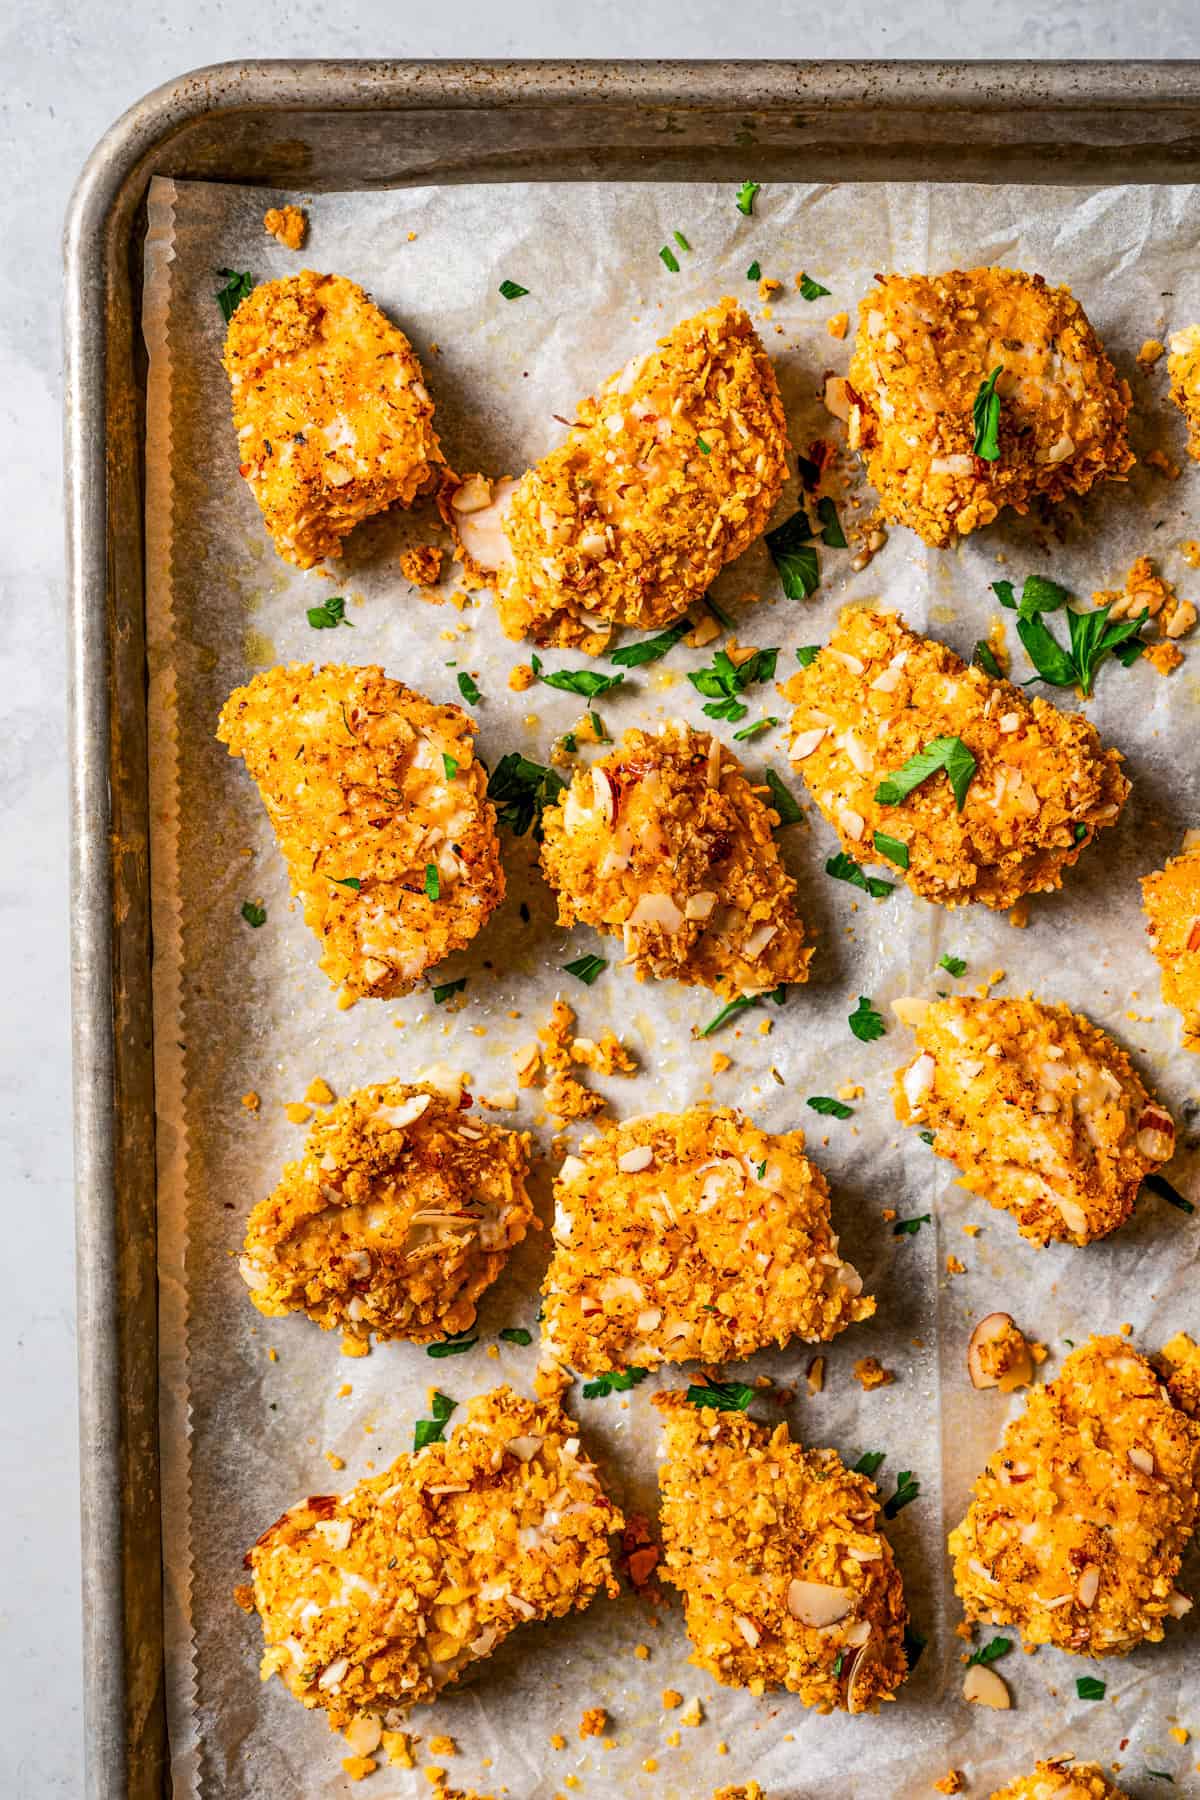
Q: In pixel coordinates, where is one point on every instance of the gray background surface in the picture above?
(69, 70)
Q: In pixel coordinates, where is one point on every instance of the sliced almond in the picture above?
(815, 1375)
(1178, 1604)
(640, 1157)
(997, 1325)
(1088, 1586)
(805, 742)
(917, 1079)
(1142, 1459)
(910, 1009)
(983, 1687)
(362, 1736)
(524, 1448)
(1156, 1134)
(603, 794)
(815, 1603)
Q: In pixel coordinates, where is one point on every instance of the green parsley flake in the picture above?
(1088, 1688)
(990, 1653)
(1092, 638)
(433, 1431)
(331, 612)
(746, 197)
(520, 789)
(810, 289)
(865, 1022)
(446, 989)
(984, 657)
(704, 449)
(455, 1346)
(449, 765)
(807, 655)
(433, 884)
(347, 881)
(831, 526)
(468, 689)
(942, 753)
(512, 290)
(926, 1137)
(1158, 1184)
(516, 1334)
(616, 1381)
(632, 656)
(718, 614)
(910, 1227)
(953, 965)
(794, 556)
(738, 1005)
(254, 913)
(670, 259)
(754, 272)
(584, 682)
(681, 241)
(725, 680)
(907, 1489)
(844, 868)
(239, 284)
(585, 968)
(894, 849)
(869, 1463)
(833, 1109)
(723, 1396)
(783, 801)
(753, 729)
(986, 411)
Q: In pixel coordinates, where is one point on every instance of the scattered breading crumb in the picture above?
(422, 565)
(838, 324)
(1189, 549)
(1180, 1733)
(358, 1767)
(1158, 459)
(642, 1652)
(870, 1373)
(593, 1722)
(1164, 659)
(298, 1112)
(560, 1050)
(318, 1092)
(721, 1062)
(520, 677)
(815, 1375)
(557, 1741)
(1149, 353)
(954, 1267)
(951, 1783)
(692, 1713)
(251, 1101)
(1146, 592)
(398, 1750)
(851, 1090)
(287, 224)
(272, 1354)
(671, 1698)
(334, 1460)
(442, 1746)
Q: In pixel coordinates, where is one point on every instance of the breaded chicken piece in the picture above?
(665, 843)
(925, 346)
(1183, 367)
(1043, 784)
(1178, 1363)
(1044, 1114)
(380, 1597)
(786, 1581)
(669, 472)
(1078, 1524)
(333, 418)
(382, 815)
(694, 1235)
(1171, 898)
(1063, 1779)
(401, 1212)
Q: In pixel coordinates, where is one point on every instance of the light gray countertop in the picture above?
(69, 71)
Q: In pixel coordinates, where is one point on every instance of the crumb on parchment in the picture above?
(1171, 898)
(422, 565)
(870, 1373)
(558, 1052)
(594, 1722)
(1153, 597)
(287, 224)
(1062, 1779)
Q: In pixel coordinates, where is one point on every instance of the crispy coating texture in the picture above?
(1044, 784)
(1062, 1780)
(376, 1599)
(333, 418)
(1178, 1362)
(926, 343)
(402, 1210)
(1171, 898)
(665, 842)
(629, 521)
(1183, 367)
(786, 1581)
(1044, 1114)
(351, 768)
(1078, 1524)
(671, 1246)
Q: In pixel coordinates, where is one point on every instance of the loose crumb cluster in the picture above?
(1183, 367)
(1063, 1779)
(1171, 898)
(287, 224)
(422, 565)
(401, 1212)
(926, 344)
(692, 1236)
(665, 843)
(333, 418)
(1044, 1114)
(374, 1600)
(786, 1581)
(1043, 784)
(381, 811)
(1078, 1524)
(1147, 593)
(668, 473)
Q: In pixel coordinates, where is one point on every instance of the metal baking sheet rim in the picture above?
(1148, 112)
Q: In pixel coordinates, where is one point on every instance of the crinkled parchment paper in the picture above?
(241, 1009)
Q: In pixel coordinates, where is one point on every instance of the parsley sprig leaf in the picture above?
(990, 1652)
(330, 613)
(844, 868)
(795, 556)
(831, 526)
(585, 968)
(239, 283)
(725, 680)
(832, 1109)
(648, 650)
(724, 1396)
(986, 413)
(953, 965)
(869, 1463)
(1092, 638)
(433, 1431)
(520, 789)
(746, 196)
(948, 754)
(468, 688)
(908, 1488)
(909, 1227)
(894, 849)
(984, 657)
(616, 1381)
(783, 801)
(575, 681)
(810, 289)
(865, 1022)
(254, 913)
(446, 990)
(452, 1346)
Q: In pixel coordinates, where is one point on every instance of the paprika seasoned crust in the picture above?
(665, 843)
(1171, 898)
(374, 1600)
(668, 473)
(926, 344)
(333, 418)
(694, 1235)
(1078, 1525)
(1063, 1779)
(1183, 367)
(380, 808)
(1043, 1113)
(402, 1210)
(786, 1580)
(1042, 787)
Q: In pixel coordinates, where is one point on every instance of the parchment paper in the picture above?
(242, 1010)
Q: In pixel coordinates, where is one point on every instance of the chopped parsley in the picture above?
(869, 1463)
(433, 1431)
(239, 283)
(330, 613)
(1091, 639)
(468, 689)
(992, 1652)
(433, 882)
(740, 1004)
(725, 680)
(585, 682)
(865, 1022)
(754, 272)
(984, 657)
(833, 1109)
(449, 765)
(452, 1346)
(926, 1137)
(704, 449)
(910, 1227)
(1160, 1775)
(784, 801)
(907, 1489)
(794, 556)
(617, 1381)
(512, 290)
(1080, 831)
(914, 1645)
(585, 968)
(810, 289)
(681, 241)
(894, 849)
(446, 989)
(953, 965)
(941, 753)
(516, 1334)
(1158, 1184)
(670, 259)
(520, 789)
(831, 526)
(1038, 595)
(718, 613)
(347, 881)
(254, 913)
(632, 656)
(746, 196)
(807, 655)
(986, 412)
(844, 868)
(1088, 1688)
(753, 729)
(725, 1396)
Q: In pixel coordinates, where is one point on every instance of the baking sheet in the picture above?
(240, 1010)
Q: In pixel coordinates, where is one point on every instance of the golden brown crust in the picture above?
(653, 1226)
(379, 1597)
(1078, 1524)
(1043, 786)
(1063, 1779)
(352, 770)
(1183, 367)
(333, 418)
(786, 1581)
(925, 344)
(665, 843)
(401, 1212)
(1044, 1114)
(1171, 898)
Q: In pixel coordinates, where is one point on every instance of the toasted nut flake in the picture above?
(983, 1687)
(816, 1603)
